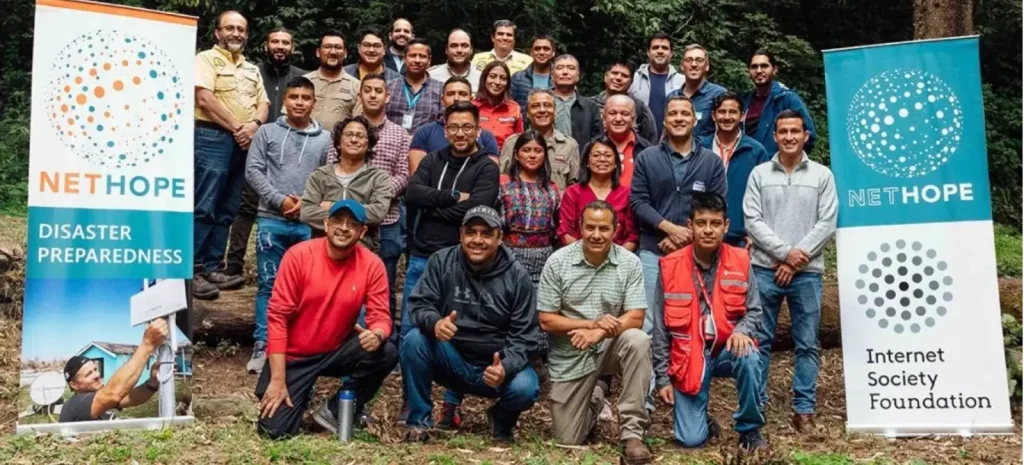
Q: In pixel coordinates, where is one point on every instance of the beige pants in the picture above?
(576, 404)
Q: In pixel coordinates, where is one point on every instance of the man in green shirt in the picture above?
(591, 301)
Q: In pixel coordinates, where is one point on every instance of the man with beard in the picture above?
(231, 104)
(312, 320)
(282, 157)
(504, 40)
(371, 58)
(336, 90)
(769, 99)
(618, 117)
(458, 52)
(277, 71)
(740, 153)
(574, 114)
(432, 136)
(417, 97)
(400, 35)
(538, 74)
(563, 152)
(657, 78)
(475, 325)
(698, 89)
(616, 82)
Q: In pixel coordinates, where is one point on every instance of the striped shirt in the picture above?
(426, 103)
(575, 289)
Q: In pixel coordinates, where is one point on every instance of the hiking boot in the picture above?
(326, 419)
(502, 423)
(259, 358)
(203, 289)
(416, 435)
(803, 422)
(635, 452)
(451, 417)
(223, 281)
(714, 429)
(751, 441)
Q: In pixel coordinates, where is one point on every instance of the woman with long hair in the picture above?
(498, 112)
(600, 169)
(529, 202)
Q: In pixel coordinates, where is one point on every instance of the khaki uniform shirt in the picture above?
(515, 61)
(238, 85)
(335, 98)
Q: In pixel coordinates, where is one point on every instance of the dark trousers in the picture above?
(365, 371)
(241, 229)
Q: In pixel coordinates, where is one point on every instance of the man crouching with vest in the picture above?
(706, 311)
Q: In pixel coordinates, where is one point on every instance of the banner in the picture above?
(922, 339)
(110, 216)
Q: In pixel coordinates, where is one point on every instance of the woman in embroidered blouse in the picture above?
(529, 203)
(498, 112)
(599, 180)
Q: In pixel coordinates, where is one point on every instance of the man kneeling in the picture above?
(475, 325)
(591, 301)
(706, 300)
(311, 320)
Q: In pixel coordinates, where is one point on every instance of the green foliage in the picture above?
(1012, 346)
(1008, 251)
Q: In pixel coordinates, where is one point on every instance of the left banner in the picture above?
(110, 219)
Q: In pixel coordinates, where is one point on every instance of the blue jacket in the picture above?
(703, 104)
(780, 98)
(748, 154)
(522, 85)
(656, 195)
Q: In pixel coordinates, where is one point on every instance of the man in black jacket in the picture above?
(475, 325)
(574, 113)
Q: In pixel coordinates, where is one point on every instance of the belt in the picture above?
(209, 125)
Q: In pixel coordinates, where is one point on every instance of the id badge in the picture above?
(407, 121)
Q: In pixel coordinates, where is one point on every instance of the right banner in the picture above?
(922, 339)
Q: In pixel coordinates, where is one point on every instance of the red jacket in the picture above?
(503, 120)
(683, 318)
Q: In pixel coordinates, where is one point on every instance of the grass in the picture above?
(1008, 251)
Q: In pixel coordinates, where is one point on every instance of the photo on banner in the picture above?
(110, 220)
(919, 301)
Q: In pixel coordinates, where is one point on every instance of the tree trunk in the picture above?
(943, 18)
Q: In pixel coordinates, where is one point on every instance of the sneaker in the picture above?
(451, 417)
(502, 424)
(416, 435)
(751, 441)
(327, 420)
(203, 289)
(259, 358)
(223, 281)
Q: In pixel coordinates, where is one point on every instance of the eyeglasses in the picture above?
(353, 135)
(466, 129)
(346, 223)
(697, 60)
(372, 46)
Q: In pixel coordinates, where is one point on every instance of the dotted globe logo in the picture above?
(905, 288)
(114, 99)
(905, 123)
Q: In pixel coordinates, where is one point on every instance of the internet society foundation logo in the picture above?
(904, 287)
(905, 123)
(114, 99)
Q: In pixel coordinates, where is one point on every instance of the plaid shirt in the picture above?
(391, 154)
(427, 109)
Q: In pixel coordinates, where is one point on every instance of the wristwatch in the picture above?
(257, 121)
(455, 195)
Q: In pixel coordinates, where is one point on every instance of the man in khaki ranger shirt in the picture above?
(231, 104)
(336, 92)
(563, 151)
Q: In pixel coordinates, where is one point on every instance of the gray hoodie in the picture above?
(281, 159)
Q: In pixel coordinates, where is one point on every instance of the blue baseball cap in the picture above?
(353, 207)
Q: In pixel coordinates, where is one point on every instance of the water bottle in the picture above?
(346, 411)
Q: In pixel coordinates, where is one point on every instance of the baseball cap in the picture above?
(485, 213)
(72, 366)
(353, 207)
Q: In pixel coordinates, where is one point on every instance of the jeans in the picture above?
(392, 243)
(690, 413)
(649, 261)
(241, 229)
(804, 297)
(424, 360)
(413, 271)
(219, 177)
(273, 238)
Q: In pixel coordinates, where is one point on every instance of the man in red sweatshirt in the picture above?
(311, 320)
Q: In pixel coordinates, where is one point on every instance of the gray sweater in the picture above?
(281, 158)
(785, 210)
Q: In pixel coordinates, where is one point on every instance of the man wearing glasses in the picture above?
(371, 58)
(698, 89)
(336, 91)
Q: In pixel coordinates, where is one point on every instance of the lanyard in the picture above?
(700, 283)
(409, 100)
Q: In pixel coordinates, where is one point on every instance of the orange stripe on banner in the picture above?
(119, 10)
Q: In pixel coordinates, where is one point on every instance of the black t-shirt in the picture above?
(79, 408)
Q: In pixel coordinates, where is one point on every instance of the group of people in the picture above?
(650, 232)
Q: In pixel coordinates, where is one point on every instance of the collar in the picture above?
(451, 72)
(341, 76)
(714, 259)
(574, 98)
(630, 140)
(700, 88)
(579, 259)
(557, 137)
(363, 71)
(804, 159)
(494, 54)
(739, 138)
(226, 54)
(482, 102)
(668, 149)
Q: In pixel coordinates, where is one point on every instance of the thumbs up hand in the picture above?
(494, 374)
(445, 329)
(370, 341)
